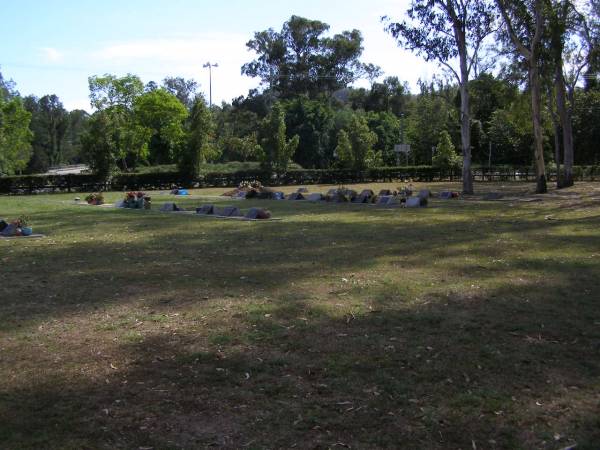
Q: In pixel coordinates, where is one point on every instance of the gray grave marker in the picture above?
(258, 213)
(206, 210)
(424, 193)
(230, 211)
(413, 202)
(295, 196)
(493, 196)
(168, 207)
(383, 200)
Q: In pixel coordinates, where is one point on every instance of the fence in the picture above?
(152, 181)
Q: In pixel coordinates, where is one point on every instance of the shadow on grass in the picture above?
(446, 374)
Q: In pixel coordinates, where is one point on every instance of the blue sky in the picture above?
(53, 46)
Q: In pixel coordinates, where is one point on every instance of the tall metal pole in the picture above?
(210, 66)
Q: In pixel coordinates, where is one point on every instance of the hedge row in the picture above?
(169, 180)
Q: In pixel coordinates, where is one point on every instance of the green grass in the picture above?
(468, 323)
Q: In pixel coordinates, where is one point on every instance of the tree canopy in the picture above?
(302, 60)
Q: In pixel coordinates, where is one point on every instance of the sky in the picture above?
(52, 47)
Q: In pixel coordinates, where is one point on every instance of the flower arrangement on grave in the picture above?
(18, 227)
(247, 185)
(95, 198)
(251, 187)
(137, 200)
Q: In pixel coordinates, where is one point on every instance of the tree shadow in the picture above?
(443, 374)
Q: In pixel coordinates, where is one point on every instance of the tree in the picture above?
(241, 149)
(197, 149)
(53, 119)
(589, 20)
(362, 140)
(390, 96)
(524, 24)
(511, 135)
(114, 97)
(163, 114)
(586, 117)
(442, 30)
(184, 90)
(15, 136)
(312, 121)
(278, 151)
(301, 60)
(78, 119)
(111, 91)
(7, 88)
(430, 113)
(488, 94)
(343, 150)
(445, 156)
(560, 13)
(387, 128)
(98, 146)
(49, 125)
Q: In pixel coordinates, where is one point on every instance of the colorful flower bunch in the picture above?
(95, 198)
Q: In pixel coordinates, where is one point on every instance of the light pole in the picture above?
(210, 66)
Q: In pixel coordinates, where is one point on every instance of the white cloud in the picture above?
(157, 58)
(51, 55)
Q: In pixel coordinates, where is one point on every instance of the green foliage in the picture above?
(7, 88)
(445, 156)
(241, 149)
(126, 139)
(300, 59)
(184, 90)
(361, 141)
(198, 148)
(163, 114)
(312, 121)
(390, 96)
(586, 126)
(431, 113)
(98, 145)
(489, 94)
(387, 127)
(510, 133)
(15, 136)
(109, 91)
(344, 150)
(278, 151)
(49, 124)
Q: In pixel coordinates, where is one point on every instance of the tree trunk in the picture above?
(557, 131)
(465, 134)
(534, 84)
(532, 56)
(465, 114)
(566, 124)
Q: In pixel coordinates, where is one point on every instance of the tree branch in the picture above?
(449, 67)
(525, 52)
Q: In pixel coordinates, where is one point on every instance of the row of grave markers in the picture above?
(224, 212)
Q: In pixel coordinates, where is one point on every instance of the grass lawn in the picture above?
(469, 324)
